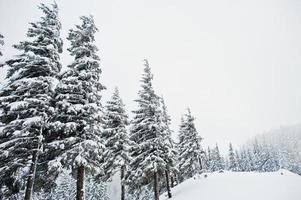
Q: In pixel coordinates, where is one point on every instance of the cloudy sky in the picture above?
(235, 63)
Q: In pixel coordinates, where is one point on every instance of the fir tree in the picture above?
(117, 141)
(1, 44)
(146, 131)
(250, 161)
(209, 161)
(206, 160)
(25, 101)
(217, 162)
(189, 149)
(75, 139)
(239, 161)
(232, 160)
(169, 149)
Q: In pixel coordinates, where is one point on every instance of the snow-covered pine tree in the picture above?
(239, 161)
(258, 155)
(266, 159)
(75, 139)
(189, 148)
(205, 161)
(232, 160)
(147, 162)
(25, 101)
(250, 161)
(169, 148)
(217, 163)
(117, 142)
(210, 159)
(1, 44)
(243, 159)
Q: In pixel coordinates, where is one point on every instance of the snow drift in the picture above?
(280, 185)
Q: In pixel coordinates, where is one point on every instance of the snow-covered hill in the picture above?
(280, 185)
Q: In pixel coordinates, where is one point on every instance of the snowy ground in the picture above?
(240, 186)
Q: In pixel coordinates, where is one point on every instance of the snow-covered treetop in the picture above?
(40, 55)
(148, 113)
(114, 114)
(188, 126)
(82, 39)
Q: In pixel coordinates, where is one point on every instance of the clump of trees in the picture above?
(57, 140)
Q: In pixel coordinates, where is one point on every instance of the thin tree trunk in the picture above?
(156, 185)
(200, 162)
(172, 181)
(122, 185)
(80, 183)
(31, 176)
(167, 183)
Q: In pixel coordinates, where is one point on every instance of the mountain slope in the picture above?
(280, 185)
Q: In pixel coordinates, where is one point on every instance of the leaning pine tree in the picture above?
(147, 162)
(117, 142)
(25, 101)
(189, 149)
(75, 136)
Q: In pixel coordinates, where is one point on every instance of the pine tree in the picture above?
(189, 149)
(232, 160)
(258, 156)
(210, 159)
(250, 161)
(206, 161)
(239, 161)
(1, 44)
(243, 159)
(148, 161)
(217, 163)
(75, 136)
(25, 101)
(169, 148)
(117, 140)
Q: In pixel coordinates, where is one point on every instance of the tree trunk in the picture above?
(172, 181)
(122, 184)
(156, 185)
(31, 175)
(167, 183)
(80, 183)
(200, 162)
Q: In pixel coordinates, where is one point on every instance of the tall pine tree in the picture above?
(25, 101)
(148, 161)
(189, 148)
(169, 149)
(75, 136)
(117, 142)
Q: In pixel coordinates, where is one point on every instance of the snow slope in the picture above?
(280, 185)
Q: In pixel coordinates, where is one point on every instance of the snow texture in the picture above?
(279, 185)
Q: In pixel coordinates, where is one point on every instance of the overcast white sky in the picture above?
(235, 63)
